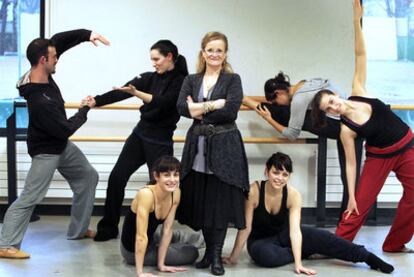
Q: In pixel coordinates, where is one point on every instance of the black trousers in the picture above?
(134, 154)
(277, 250)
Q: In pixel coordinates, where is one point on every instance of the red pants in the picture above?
(373, 176)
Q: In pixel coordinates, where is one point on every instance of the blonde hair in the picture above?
(210, 36)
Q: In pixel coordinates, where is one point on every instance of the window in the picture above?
(389, 32)
(19, 24)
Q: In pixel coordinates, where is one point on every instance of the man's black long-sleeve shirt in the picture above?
(49, 128)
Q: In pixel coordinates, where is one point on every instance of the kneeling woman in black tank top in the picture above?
(156, 204)
(273, 232)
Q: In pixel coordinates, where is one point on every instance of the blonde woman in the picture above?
(214, 166)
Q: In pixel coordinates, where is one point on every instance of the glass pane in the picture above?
(19, 24)
(389, 32)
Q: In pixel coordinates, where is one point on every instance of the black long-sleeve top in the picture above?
(159, 117)
(49, 128)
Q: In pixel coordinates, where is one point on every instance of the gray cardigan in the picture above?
(226, 155)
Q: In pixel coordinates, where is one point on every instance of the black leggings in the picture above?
(277, 250)
(134, 154)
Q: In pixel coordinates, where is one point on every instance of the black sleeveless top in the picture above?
(129, 228)
(384, 128)
(265, 224)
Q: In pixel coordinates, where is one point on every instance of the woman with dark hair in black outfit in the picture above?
(153, 135)
(274, 234)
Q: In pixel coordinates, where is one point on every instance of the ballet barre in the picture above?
(14, 134)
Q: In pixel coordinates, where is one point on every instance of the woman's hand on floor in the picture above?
(229, 260)
(172, 269)
(301, 269)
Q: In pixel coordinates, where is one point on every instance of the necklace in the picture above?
(208, 83)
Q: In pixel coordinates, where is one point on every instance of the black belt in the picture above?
(210, 129)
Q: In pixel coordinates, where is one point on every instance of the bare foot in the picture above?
(402, 250)
(406, 250)
(90, 234)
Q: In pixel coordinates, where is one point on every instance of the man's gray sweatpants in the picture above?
(82, 179)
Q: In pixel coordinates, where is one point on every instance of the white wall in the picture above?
(304, 38)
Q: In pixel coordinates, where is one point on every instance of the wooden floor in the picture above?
(53, 255)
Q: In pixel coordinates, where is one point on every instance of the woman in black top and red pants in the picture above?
(389, 147)
(273, 231)
(153, 135)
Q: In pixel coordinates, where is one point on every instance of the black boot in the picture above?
(218, 241)
(216, 263)
(105, 231)
(206, 260)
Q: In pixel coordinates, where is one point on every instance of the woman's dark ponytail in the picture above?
(181, 65)
(166, 46)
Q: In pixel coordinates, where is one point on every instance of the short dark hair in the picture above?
(280, 82)
(280, 161)
(318, 116)
(38, 48)
(165, 164)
